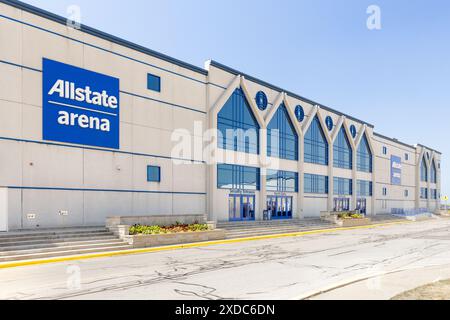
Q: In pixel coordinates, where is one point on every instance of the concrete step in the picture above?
(59, 237)
(261, 228)
(233, 235)
(56, 230)
(386, 219)
(28, 245)
(21, 257)
(249, 227)
(55, 240)
(265, 221)
(20, 246)
(59, 229)
(56, 250)
(279, 228)
(270, 227)
(50, 232)
(270, 222)
(274, 227)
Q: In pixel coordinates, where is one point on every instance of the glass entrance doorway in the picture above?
(241, 207)
(279, 207)
(341, 204)
(361, 205)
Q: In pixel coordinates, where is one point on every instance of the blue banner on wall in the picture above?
(80, 106)
(396, 170)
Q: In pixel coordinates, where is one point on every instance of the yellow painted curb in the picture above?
(188, 246)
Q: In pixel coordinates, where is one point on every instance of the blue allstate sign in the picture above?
(80, 106)
(396, 170)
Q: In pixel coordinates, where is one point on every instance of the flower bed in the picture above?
(176, 228)
(346, 219)
(349, 215)
(140, 236)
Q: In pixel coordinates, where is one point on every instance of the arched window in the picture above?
(433, 173)
(238, 128)
(364, 156)
(423, 171)
(282, 139)
(342, 151)
(316, 145)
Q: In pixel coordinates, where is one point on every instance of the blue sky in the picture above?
(396, 78)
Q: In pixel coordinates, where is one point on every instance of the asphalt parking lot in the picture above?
(376, 263)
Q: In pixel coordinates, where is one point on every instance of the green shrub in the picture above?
(349, 215)
(138, 229)
(198, 227)
(177, 228)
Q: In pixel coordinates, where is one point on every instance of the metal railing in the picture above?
(410, 212)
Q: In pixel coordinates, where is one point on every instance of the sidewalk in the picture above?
(433, 291)
(396, 284)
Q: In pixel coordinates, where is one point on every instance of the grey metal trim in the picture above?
(100, 34)
(394, 140)
(273, 87)
(421, 145)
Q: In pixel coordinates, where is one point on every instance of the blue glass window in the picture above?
(434, 194)
(153, 174)
(364, 156)
(423, 171)
(261, 100)
(353, 131)
(364, 188)
(423, 193)
(329, 123)
(384, 150)
(342, 186)
(433, 173)
(316, 145)
(238, 128)
(299, 113)
(238, 177)
(342, 151)
(282, 139)
(153, 82)
(316, 184)
(282, 181)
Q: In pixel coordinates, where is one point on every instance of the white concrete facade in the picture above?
(40, 179)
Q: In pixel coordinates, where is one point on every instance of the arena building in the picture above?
(93, 126)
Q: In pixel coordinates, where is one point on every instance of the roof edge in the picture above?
(394, 140)
(405, 144)
(276, 88)
(421, 145)
(106, 36)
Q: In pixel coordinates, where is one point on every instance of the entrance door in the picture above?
(241, 207)
(248, 207)
(361, 205)
(232, 208)
(279, 207)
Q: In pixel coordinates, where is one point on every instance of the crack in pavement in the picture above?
(289, 252)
